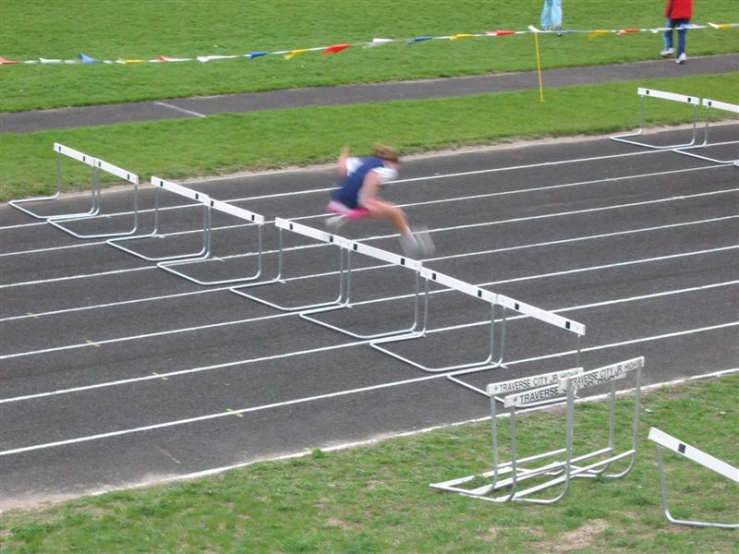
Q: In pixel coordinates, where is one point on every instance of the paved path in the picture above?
(27, 122)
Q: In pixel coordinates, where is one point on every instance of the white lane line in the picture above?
(99, 343)
(177, 108)
(408, 205)
(442, 229)
(374, 441)
(337, 394)
(380, 266)
(182, 372)
(443, 176)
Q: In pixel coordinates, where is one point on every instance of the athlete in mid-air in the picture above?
(357, 196)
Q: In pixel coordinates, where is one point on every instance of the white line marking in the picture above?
(328, 348)
(239, 322)
(380, 266)
(454, 228)
(177, 108)
(426, 178)
(325, 396)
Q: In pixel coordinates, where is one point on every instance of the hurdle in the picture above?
(526, 310)
(252, 219)
(558, 472)
(395, 260)
(132, 178)
(543, 393)
(645, 93)
(62, 150)
(283, 225)
(454, 284)
(708, 105)
(665, 441)
(161, 184)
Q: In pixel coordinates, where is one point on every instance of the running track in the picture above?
(115, 372)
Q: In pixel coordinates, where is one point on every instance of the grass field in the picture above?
(129, 29)
(377, 499)
(233, 142)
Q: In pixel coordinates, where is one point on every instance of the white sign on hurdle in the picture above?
(709, 105)
(251, 219)
(663, 440)
(282, 226)
(353, 247)
(454, 284)
(645, 93)
(561, 465)
(60, 222)
(200, 199)
(71, 153)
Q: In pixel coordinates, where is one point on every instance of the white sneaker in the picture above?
(334, 223)
(667, 52)
(682, 58)
(410, 246)
(426, 246)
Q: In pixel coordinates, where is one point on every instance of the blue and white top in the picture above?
(357, 169)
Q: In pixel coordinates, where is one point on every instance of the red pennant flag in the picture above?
(627, 31)
(500, 33)
(335, 49)
(4, 61)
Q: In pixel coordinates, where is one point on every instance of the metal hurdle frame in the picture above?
(561, 471)
(62, 150)
(235, 211)
(663, 440)
(160, 184)
(459, 286)
(546, 391)
(100, 165)
(322, 236)
(644, 93)
(707, 105)
(378, 254)
(508, 303)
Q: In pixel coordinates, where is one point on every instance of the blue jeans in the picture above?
(551, 15)
(681, 32)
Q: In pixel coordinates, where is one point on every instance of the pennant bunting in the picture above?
(336, 48)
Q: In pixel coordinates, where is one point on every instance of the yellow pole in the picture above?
(538, 66)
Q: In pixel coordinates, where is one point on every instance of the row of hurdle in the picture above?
(519, 478)
(695, 147)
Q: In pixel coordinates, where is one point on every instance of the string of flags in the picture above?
(336, 48)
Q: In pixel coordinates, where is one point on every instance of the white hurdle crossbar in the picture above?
(62, 150)
(558, 471)
(396, 260)
(708, 105)
(645, 93)
(128, 176)
(452, 283)
(322, 236)
(508, 303)
(160, 184)
(518, 470)
(251, 217)
(663, 440)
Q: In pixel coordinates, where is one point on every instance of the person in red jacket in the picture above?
(678, 13)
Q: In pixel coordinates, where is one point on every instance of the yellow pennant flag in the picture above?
(596, 34)
(720, 25)
(459, 36)
(294, 53)
(131, 61)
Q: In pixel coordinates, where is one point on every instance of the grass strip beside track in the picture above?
(113, 29)
(271, 139)
(377, 499)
